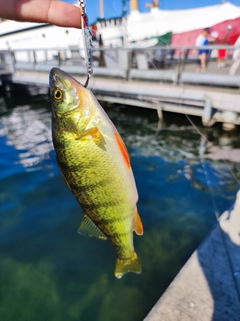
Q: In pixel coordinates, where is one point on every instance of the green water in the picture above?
(47, 270)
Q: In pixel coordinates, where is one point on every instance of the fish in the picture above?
(95, 164)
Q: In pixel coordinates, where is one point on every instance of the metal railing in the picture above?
(164, 63)
(160, 64)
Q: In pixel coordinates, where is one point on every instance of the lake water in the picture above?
(47, 270)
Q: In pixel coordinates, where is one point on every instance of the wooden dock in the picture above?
(213, 96)
(212, 104)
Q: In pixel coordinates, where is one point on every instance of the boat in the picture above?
(137, 28)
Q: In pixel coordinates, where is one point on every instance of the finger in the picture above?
(59, 13)
(54, 12)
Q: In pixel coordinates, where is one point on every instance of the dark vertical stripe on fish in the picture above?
(93, 206)
(84, 188)
(112, 220)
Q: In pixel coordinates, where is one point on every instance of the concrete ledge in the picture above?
(208, 287)
(24, 66)
(153, 75)
(73, 69)
(181, 99)
(105, 72)
(207, 78)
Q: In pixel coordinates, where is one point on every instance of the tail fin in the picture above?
(129, 265)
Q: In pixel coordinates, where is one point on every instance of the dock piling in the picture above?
(207, 113)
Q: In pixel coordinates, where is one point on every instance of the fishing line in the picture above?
(204, 168)
(87, 40)
(201, 155)
(205, 171)
(211, 144)
(147, 55)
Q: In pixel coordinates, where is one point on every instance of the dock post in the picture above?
(34, 59)
(123, 60)
(178, 71)
(13, 60)
(160, 116)
(59, 59)
(229, 119)
(208, 113)
(159, 112)
(7, 82)
(6, 70)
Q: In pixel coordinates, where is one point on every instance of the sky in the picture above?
(113, 8)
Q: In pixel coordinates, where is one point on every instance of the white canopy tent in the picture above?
(158, 22)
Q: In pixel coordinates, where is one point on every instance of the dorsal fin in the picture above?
(137, 223)
(87, 227)
(123, 149)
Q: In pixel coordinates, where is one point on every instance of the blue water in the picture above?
(47, 270)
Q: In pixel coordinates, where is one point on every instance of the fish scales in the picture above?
(104, 198)
(94, 162)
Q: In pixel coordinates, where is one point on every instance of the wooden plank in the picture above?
(181, 99)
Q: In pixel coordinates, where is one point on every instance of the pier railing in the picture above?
(176, 65)
(156, 66)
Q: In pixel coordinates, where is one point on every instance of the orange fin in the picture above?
(123, 149)
(137, 223)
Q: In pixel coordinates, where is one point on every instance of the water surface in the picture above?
(47, 270)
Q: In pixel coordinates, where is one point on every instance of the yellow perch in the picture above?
(95, 165)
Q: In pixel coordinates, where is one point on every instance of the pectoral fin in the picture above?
(96, 135)
(87, 227)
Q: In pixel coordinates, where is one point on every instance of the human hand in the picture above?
(49, 11)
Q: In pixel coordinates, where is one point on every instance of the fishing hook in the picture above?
(87, 40)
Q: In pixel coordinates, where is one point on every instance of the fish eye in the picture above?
(57, 94)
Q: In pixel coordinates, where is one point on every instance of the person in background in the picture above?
(202, 40)
(222, 53)
(49, 11)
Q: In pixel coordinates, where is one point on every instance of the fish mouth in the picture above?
(56, 77)
(61, 79)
